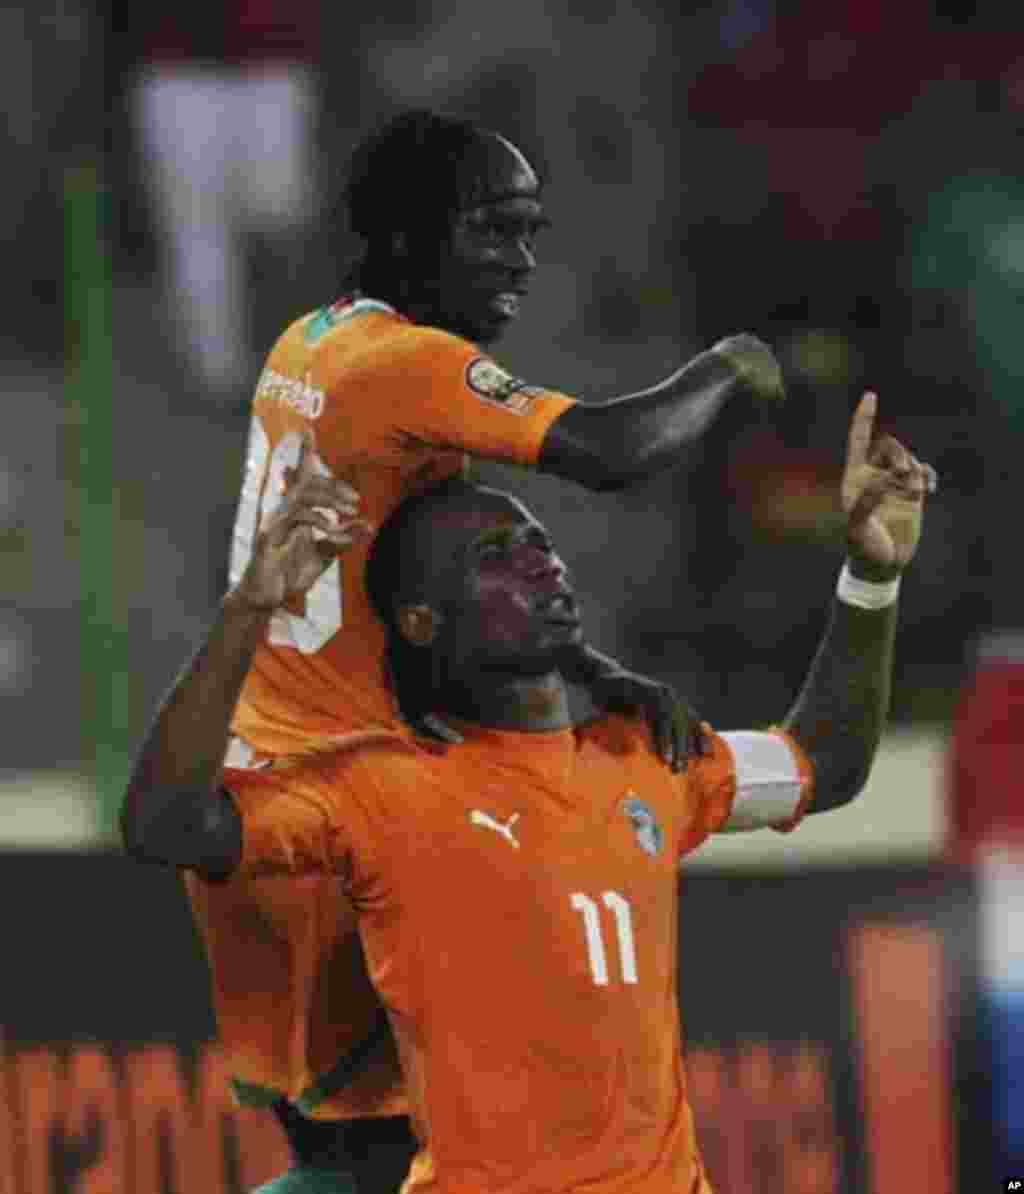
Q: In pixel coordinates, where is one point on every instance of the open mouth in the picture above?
(506, 303)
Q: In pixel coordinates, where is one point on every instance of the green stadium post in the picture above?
(90, 458)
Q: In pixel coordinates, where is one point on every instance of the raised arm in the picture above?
(611, 445)
(174, 811)
(838, 717)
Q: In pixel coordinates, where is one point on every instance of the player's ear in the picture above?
(419, 624)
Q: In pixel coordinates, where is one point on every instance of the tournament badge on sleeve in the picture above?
(645, 825)
(489, 381)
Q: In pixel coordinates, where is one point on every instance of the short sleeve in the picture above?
(746, 779)
(440, 390)
(708, 786)
(300, 820)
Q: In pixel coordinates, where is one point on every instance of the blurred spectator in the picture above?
(986, 795)
(966, 250)
(52, 98)
(225, 104)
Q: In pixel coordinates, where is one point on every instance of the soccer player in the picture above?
(516, 892)
(395, 383)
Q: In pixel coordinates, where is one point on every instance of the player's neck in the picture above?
(532, 704)
(426, 311)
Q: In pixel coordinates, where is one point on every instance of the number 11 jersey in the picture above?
(517, 900)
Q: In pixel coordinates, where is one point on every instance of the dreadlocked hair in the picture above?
(397, 574)
(403, 181)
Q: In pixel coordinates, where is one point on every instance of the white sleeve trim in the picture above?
(768, 781)
(240, 756)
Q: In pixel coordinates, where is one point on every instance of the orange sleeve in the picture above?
(709, 783)
(440, 390)
(295, 821)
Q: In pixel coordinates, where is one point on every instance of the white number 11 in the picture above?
(596, 954)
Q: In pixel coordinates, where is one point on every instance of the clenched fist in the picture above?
(756, 364)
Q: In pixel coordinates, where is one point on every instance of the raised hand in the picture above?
(883, 493)
(316, 518)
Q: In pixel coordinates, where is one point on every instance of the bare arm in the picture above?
(839, 715)
(174, 811)
(613, 444)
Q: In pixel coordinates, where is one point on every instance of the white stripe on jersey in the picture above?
(768, 783)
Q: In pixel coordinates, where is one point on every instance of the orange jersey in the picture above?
(291, 992)
(517, 900)
(394, 406)
(291, 995)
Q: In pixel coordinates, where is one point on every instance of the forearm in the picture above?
(612, 444)
(172, 804)
(840, 713)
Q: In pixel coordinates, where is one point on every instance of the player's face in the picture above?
(485, 269)
(517, 609)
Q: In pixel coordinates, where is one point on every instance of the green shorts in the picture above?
(309, 1179)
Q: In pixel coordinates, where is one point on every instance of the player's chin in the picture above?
(490, 322)
(547, 650)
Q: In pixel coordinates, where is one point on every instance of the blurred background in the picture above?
(841, 178)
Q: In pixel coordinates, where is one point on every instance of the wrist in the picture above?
(871, 592)
(869, 570)
(728, 361)
(238, 605)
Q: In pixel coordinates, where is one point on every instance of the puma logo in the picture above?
(476, 817)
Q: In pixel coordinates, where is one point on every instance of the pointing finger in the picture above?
(861, 429)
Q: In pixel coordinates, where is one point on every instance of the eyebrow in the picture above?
(492, 205)
(507, 531)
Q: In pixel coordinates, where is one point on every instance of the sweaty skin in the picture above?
(513, 613)
(483, 271)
